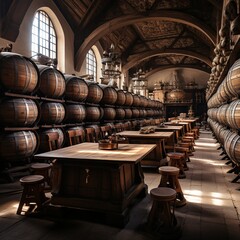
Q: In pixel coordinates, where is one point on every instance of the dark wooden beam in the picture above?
(90, 20)
(12, 20)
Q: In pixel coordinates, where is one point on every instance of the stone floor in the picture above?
(212, 210)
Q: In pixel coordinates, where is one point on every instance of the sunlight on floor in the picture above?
(196, 196)
(207, 144)
(209, 161)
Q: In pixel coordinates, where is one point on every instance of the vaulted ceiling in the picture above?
(149, 34)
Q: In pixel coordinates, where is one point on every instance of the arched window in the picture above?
(44, 38)
(91, 64)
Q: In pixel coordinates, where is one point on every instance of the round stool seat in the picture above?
(175, 154)
(44, 170)
(40, 166)
(163, 194)
(169, 169)
(32, 179)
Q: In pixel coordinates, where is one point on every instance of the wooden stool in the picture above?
(33, 192)
(186, 145)
(44, 170)
(169, 178)
(162, 215)
(186, 158)
(176, 160)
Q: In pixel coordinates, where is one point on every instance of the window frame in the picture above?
(91, 63)
(45, 34)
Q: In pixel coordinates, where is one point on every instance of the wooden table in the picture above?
(192, 121)
(178, 130)
(186, 125)
(156, 157)
(101, 181)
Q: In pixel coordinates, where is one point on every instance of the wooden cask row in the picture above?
(135, 113)
(143, 101)
(150, 113)
(129, 99)
(109, 95)
(75, 113)
(121, 98)
(109, 113)
(76, 88)
(233, 114)
(95, 92)
(233, 79)
(18, 74)
(17, 145)
(52, 113)
(52, 82)
(128, 113)
(222, 114)
(232, 147)
(223, 135)
(18, 112)
(120, 113)
(93, 114)
(136, 100)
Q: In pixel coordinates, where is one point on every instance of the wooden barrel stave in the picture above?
(18, 112)
(52, 113)
(18, 74)
(52, 82)
(75, 113)
(76, 88)
(17, 145)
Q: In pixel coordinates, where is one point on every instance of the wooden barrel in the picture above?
(232, 147)
(17, 145)
(144, 113)
(95, 92)
(52, 82)
(121, 98)
(18, 112)
(141, 113)
(221, 114)
(109, 95)
(52, 113)
(233, 79)
(44, 145)
(136, 100)
(93, 114)
(223, 135)
(135, 113)
(150, 113)
(212, 113)
(222, 93)
(109, 113)
(120, 113)
(76, 88)
(233, 114)
(75, 113)
(129, 99)
(128, 113)
(18, 74)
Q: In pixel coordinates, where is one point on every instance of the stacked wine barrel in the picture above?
(19, 111)
(37, 99)
(51, 89)
(224, 113)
